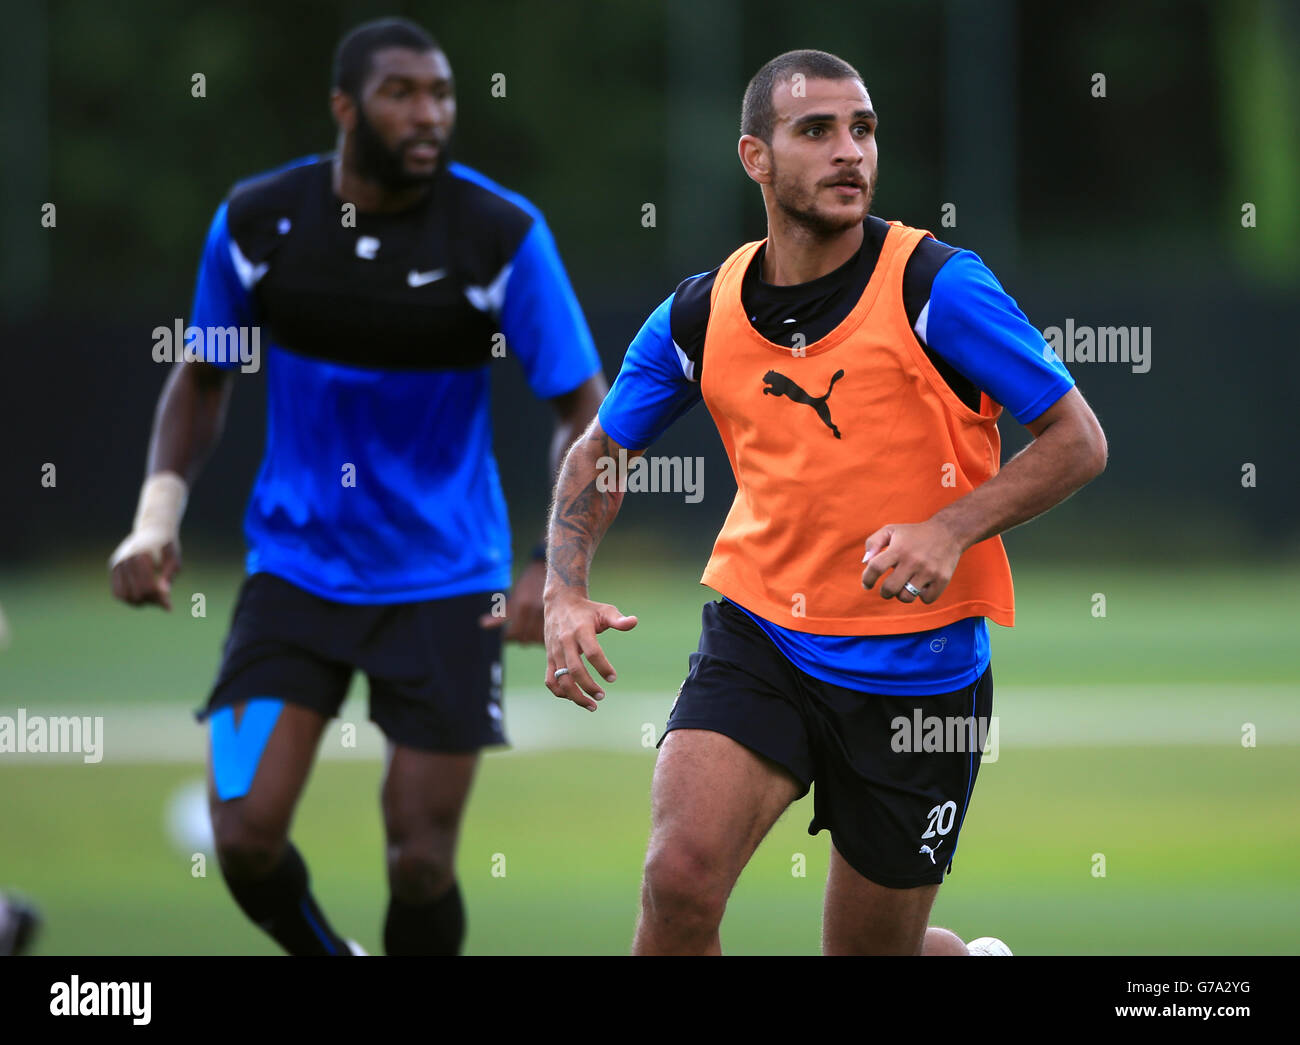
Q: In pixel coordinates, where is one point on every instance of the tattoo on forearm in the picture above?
(581, 514)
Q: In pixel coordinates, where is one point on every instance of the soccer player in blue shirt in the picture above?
(386, 280)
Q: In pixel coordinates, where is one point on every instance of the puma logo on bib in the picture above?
(780, 385)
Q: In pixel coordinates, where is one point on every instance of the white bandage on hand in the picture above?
(157, 519)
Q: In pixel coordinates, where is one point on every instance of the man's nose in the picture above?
(428, 111)
(848, 149)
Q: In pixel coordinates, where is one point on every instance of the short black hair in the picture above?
(757, 114)
(352, 57)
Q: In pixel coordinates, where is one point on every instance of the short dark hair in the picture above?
(757, 114)
(352, 57)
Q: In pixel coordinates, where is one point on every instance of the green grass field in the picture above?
(1120, 735)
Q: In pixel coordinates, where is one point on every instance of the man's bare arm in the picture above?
(1069, 451)
(187, 424)
(574, 411)
(581, 514)
(190, 416)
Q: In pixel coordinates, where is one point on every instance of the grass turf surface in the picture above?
(1201, 842)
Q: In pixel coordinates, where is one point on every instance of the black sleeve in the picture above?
(688, 317)
(918, 278)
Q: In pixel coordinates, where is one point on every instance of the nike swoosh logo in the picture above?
(419, 279)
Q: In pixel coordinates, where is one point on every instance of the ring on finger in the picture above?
(559, 672)
(909, 586)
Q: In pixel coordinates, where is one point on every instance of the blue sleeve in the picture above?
(651, 391)
(541, 319)
(220, 296)
(977, 327)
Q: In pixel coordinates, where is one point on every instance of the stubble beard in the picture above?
(801, 207)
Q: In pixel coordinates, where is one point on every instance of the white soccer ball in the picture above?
(189, 828)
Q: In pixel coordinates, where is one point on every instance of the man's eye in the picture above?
(814, 131)
(864, 129)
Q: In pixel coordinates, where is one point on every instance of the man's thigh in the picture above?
(894, 790)
(286, 644)
(712, 802)
(896, 776)
(736, 753)
(279, 683)
(260, 754)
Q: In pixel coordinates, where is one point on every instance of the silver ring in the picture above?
(913, 589)
(559, 672)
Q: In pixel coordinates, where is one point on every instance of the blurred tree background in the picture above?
(1099, 156)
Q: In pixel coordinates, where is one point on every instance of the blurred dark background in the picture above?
(1117, 210)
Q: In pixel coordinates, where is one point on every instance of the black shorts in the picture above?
(894, 774)
(434, 673)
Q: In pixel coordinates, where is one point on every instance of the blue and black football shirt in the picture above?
(378, 483)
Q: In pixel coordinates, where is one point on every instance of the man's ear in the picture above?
(756, 158)
(344, 110)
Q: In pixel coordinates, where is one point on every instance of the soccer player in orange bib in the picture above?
(855, 369)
